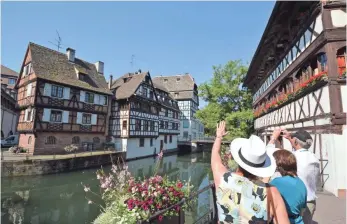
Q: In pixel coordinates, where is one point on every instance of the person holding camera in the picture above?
(307, 165)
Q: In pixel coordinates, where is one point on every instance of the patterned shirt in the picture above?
(240, 200)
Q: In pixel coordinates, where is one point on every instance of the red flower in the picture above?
(160, 218)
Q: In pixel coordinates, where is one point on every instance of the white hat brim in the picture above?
(267, 170)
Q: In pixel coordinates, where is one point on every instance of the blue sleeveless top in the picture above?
(240, 200)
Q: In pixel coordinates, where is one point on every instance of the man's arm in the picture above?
(218, 169)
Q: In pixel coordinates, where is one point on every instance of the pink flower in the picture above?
(160, 218)
(179, 185)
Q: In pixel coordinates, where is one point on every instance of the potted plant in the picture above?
(130, 200)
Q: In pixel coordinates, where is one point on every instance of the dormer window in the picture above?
(165, 80)
(176, 94)
(82, 77)
(178, 79)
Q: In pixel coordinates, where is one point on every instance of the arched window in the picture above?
(96, 140)
(29, 140)
(50, 140)
(76, 140)
(341, 60)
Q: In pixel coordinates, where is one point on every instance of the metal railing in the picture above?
(211, 214)
(190, 138)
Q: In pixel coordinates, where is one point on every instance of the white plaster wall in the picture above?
(8, 121)
(273, 118)
(133, 149)
(344, 97)
(168, 145)
(338, 18)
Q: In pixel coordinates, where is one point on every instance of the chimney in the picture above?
(70, 54)
(99, 67)
(110, 82)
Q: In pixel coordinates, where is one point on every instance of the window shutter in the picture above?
(94, 117)
(25, 70)
(96, 99)
(66, 116)
(29, 87)
(25, 115)
(79, 118)
(47, 89)
(32, 114)
(82, 95)
(46, 114)
(66, 93)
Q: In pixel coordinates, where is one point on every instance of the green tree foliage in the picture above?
(227, 100)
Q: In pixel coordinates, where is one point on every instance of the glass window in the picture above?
(86, 119)
(165, 139)
(76, 140)
(50, 140)
(294, 52)
(57, 91)
(170, 138)
(56, 116)
(28, 118)
(89, 98)
(125, 124)
(145, 126)
(185, 124)
(161, 124)
(96, 140)
(142, 142)
(29, 140)
(151, 142)
(302, 43)
(11, 81)
(137, 125)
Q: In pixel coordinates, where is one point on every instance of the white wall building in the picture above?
(184, 89)
(144, 117)
(304, 86)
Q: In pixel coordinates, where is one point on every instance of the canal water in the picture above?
(59, 198)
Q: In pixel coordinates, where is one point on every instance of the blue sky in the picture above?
(167, 38)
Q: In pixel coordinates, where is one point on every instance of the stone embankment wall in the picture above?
(40, 167)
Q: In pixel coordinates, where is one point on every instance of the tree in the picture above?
(227, 100)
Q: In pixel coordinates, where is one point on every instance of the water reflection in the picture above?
(59, 198)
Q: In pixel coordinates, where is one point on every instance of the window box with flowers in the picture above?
(128, 200)
(314, 82)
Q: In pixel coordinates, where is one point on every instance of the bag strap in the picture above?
(270, 202)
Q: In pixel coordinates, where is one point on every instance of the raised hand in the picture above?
(220, 132)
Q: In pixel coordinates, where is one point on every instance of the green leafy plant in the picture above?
(128, 200)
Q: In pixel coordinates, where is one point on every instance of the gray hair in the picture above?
(305, 145)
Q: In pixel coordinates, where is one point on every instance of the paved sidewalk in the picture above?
(330, 209)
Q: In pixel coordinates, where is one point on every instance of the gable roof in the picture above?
(184, 87)
(54, 66)
(7, 71)
(186, 82)
(126, 85)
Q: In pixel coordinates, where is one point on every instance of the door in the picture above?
(161, 145)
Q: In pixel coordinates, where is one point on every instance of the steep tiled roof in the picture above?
(54, 66)
(180, 86)
(8, 71)
(126, 85)
(176, 83)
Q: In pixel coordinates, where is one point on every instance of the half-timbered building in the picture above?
(298, 76)
(169, 123)
(184, 89)
(63, 100)
(134, 116)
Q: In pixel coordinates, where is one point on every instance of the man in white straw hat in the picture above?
(241, 195)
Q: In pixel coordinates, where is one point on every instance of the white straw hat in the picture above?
(251, 155)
